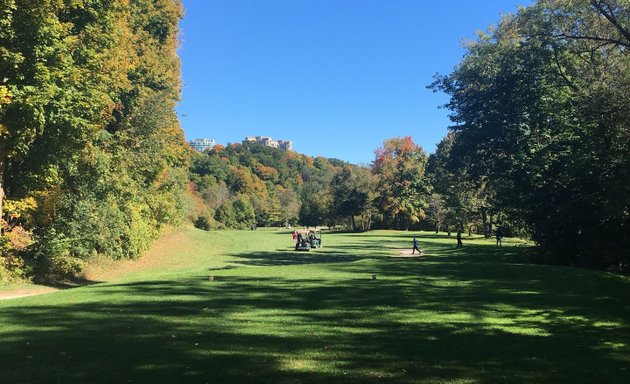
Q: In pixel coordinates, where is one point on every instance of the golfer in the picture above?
(415, 246)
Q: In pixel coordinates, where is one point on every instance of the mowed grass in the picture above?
(272, 315)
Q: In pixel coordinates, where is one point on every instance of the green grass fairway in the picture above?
(272, 315)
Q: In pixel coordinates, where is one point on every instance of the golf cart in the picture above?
(307, 239)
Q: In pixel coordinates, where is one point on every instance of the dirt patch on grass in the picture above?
(407, 253)
(23, 292)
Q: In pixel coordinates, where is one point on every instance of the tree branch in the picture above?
(609, 14)
(562, 74)
(594, 38)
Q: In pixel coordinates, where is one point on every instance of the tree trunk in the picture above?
(490, 227)
(2, 160)
(1, 201)
(484, 218)
(354, 226)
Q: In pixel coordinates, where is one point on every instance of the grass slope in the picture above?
(273, 315)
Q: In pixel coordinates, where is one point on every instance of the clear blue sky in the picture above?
(337, 77)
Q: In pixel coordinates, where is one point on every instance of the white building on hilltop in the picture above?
(202, 145)
(285, 145)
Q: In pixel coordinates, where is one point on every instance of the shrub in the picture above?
(202, 223)
(64, 268)
(12, 269)
(6, 276)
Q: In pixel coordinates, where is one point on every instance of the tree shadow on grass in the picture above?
(284, 257)
(429, 321)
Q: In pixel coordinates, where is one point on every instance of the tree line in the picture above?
(245, 184)
(93, 161)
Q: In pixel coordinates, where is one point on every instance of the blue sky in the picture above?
(337, 77)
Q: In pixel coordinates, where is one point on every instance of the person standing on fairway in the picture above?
(415, 246)
(459, 238)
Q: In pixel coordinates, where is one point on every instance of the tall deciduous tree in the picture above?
(541, 111)
(87, 121)
(404, 189)
(350, 194)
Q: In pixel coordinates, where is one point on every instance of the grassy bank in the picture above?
(272, 315)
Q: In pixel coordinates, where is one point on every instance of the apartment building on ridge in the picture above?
(285, 145)
(201, 145)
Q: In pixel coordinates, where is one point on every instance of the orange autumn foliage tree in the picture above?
(403, 188)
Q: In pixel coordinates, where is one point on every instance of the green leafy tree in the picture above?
(244, 214)
(350, 194)
(541, 113)
(87, 122)
(315, 204)
(437, 210)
